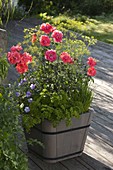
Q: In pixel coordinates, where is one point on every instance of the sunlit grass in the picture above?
(101, 27)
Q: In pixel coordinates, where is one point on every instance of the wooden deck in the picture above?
(98, 151)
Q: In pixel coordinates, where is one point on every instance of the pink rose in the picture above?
(26, 58)
(91, 62)
(91, 71)
(45, 40)
(16, 48)
(57, 36)
(46, 27)
(14, 57)
(66, 58)
(53, 29)
(50, 55)
(22, 67)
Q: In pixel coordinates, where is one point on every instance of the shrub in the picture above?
(11, 157)
(97, 7)
(87, 7)
(6, 11)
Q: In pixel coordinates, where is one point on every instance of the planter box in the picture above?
(62, 142)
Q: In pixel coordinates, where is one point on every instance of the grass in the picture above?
(101, 27)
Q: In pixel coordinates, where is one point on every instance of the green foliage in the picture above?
(97, 7)
(51, 7)
(79, 24)
(11, 157)
(6, 11)
(86, 7)
(3, 68)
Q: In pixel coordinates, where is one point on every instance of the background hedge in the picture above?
(88, 7)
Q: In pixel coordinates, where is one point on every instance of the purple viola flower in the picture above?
(27, 109)
(22, 81)
(30, 100)
(32, 86)
(28, 94)
(17, 94)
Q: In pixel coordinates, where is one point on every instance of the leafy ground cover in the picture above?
(100, 27)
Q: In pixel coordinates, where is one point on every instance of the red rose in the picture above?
(26, 58)
(16, 48)
(22, 67)
(66, 58)
(50, 55)
(91, 71)
(45, 40)
(91, 62)
(57, 36)
(14, 57)
(34, 38)
(46, 27)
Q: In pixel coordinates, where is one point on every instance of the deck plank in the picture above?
(44, 165)
(33, 166)
(72, 163)
(91, 163)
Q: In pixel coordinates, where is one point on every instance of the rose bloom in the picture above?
(57, 36)
(66, 58)
(53, 29)
(16, 48)
(21, 67)
(46, 27)
(34, 38)
(91, 62)
(14, 57)
(26, 58)
(45, 40)
(91, 71)
(51, 55)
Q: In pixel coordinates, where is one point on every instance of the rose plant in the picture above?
(55, 73)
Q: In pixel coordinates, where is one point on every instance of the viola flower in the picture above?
(91, 62)
(57, 36)
(17, 94)
(34, 38)
(50, 55)
(45, 40)
(22, 81)
(16, 48)
(28, 94)
(14, 57)
(26, 58)
(32, 86)
(66, 58)
(46, 27)
(27, 109)
(30, 100)
(91, 71)
(21, 68)
(9, 85)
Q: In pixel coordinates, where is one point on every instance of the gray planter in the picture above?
(62, 142)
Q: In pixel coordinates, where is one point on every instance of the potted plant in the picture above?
(53, 92)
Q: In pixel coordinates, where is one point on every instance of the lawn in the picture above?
(101, 27)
